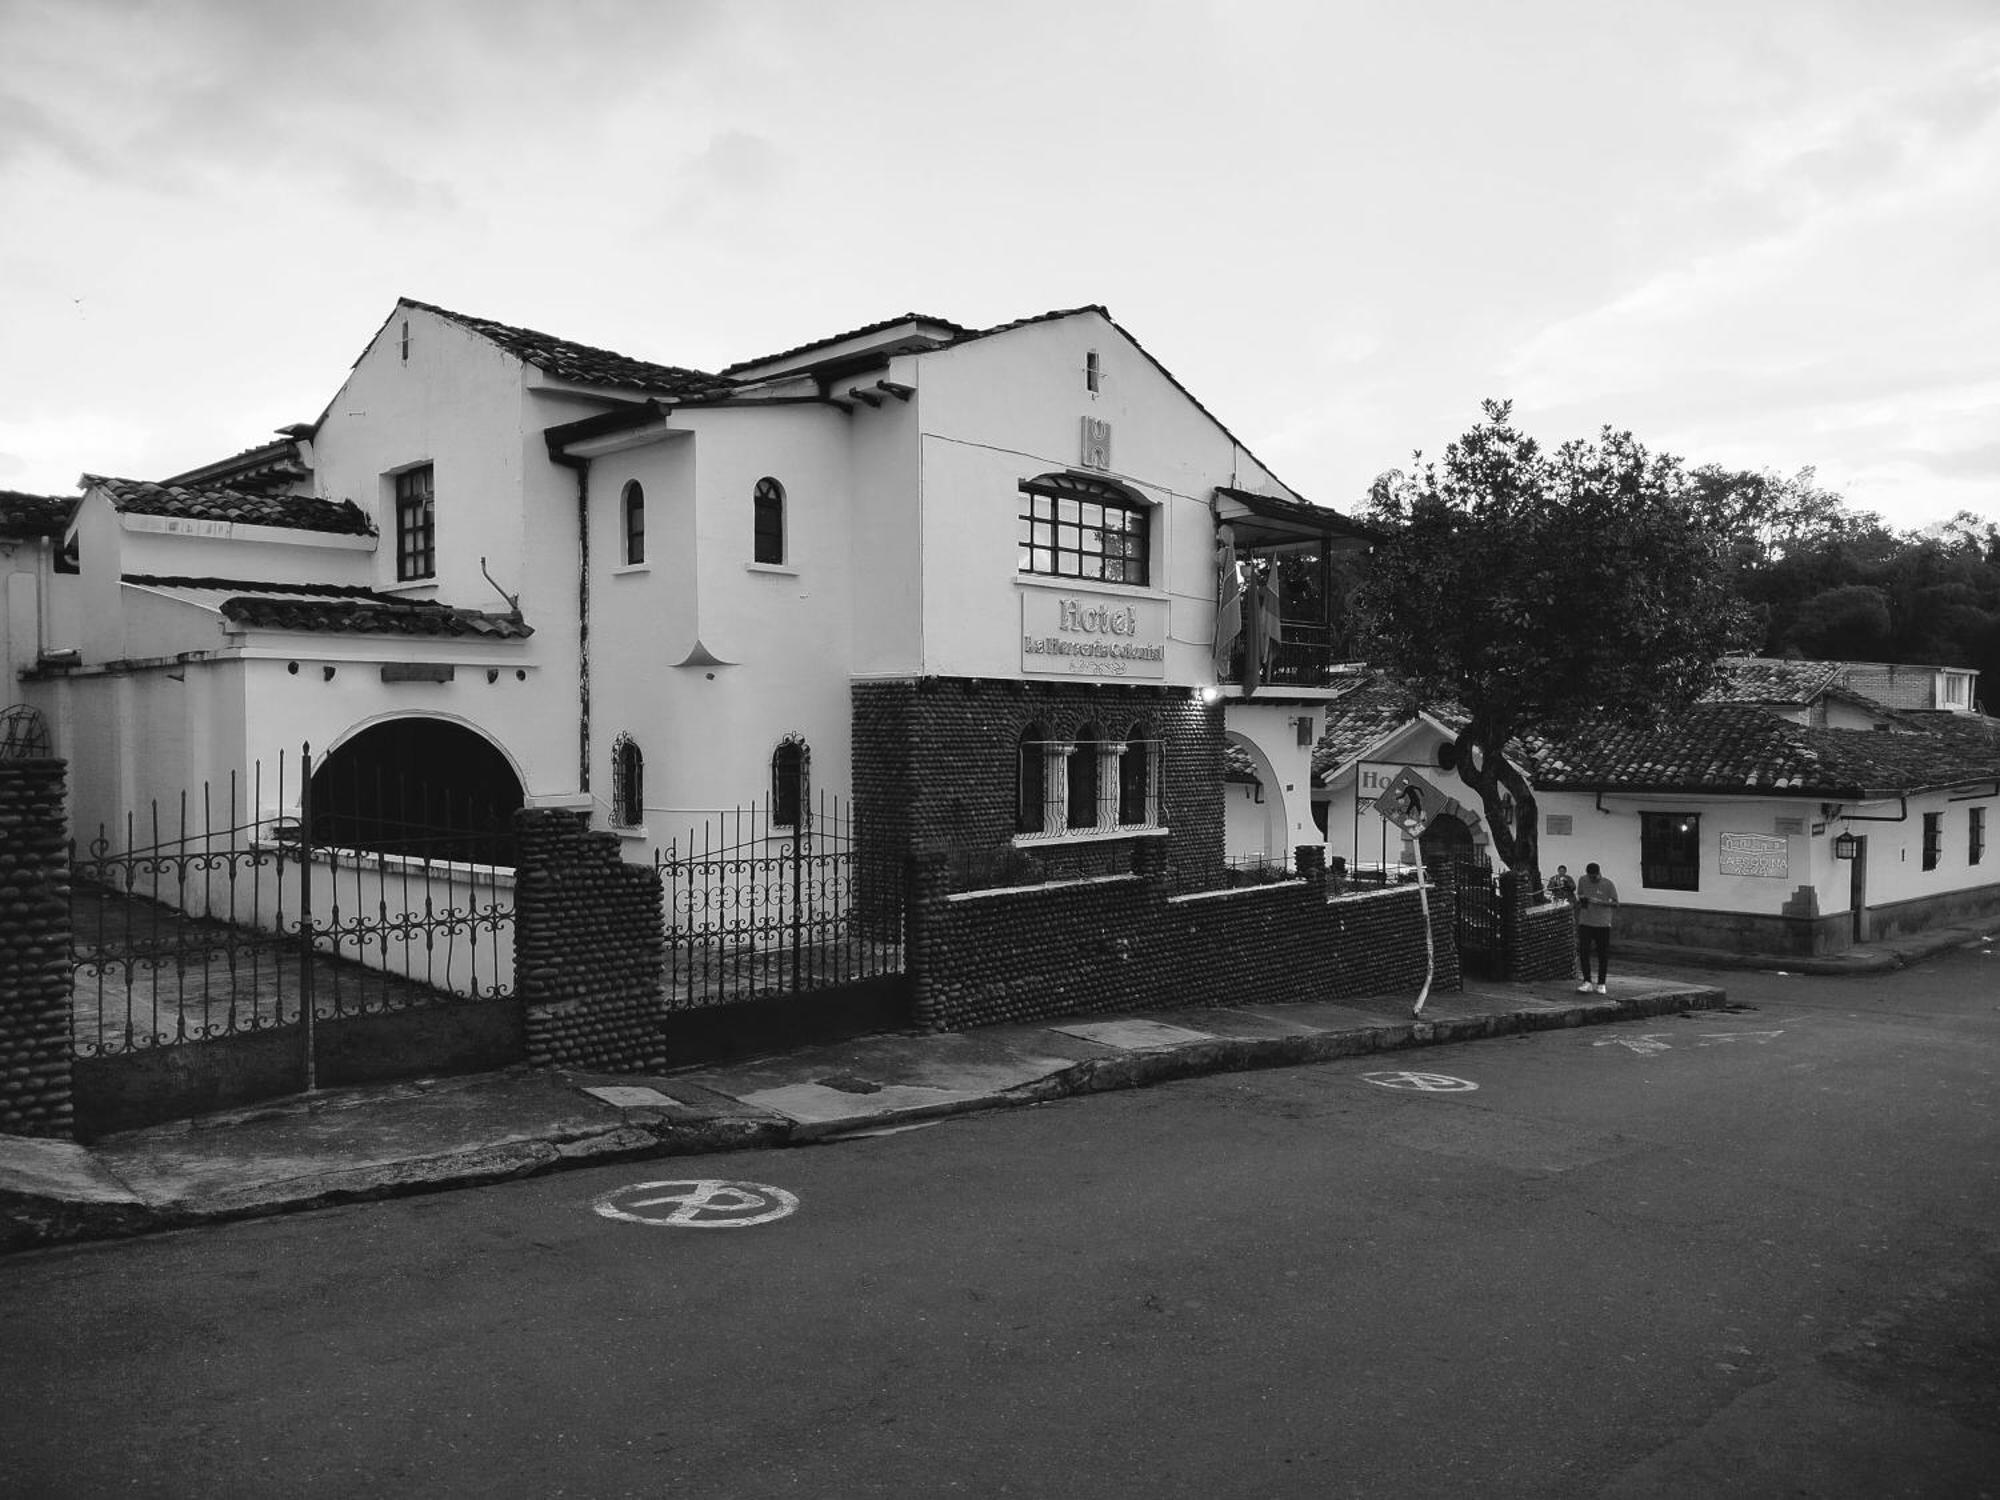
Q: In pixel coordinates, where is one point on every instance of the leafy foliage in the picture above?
(1523, 592)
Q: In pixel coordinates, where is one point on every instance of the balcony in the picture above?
(1284, 571)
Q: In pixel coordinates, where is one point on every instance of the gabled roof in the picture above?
(343, 609)
(211, 503)
(580, 363)
(950, 331)
(1358, 720)
(24, 515)
(273, 466)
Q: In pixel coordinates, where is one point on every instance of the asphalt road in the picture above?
(1749, 1253)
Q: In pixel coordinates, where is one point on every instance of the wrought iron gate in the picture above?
(1478, 922)
(222, 919)
(756, 909)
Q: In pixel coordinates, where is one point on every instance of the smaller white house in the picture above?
(37, 619)
(1792, 813)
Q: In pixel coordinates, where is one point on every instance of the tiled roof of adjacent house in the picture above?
(344, 609)
(580, 362)
(210, 503)
(272, 466)
(1763, 679)
(1356, 720)
(1739, 748)
(841, 338)
(23, 515)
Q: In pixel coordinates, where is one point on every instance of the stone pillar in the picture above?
(34, 952)
(588, 948)
(1310, 861)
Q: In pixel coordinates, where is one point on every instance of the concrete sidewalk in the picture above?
(1864, 958)
(347, 1145)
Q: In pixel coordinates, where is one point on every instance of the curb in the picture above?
(32, 1221)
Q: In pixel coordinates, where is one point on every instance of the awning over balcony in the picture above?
(1265, 521)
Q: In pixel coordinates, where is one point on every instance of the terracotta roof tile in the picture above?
(1356, 720)
(1763, 679)
(24, 515)
(211, 503)
(580, 362)
(346, 609)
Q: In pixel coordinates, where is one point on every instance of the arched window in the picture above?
(769, 503)
(791, 766)
(1073, 526)
(1139, 779)
(635, 522)
(628, 783)
(1086, 779)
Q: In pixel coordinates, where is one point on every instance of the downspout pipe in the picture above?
(581, 467)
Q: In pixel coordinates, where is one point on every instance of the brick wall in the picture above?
(588, 948)
(35, 1095)
(1124, 942)
(935, 770)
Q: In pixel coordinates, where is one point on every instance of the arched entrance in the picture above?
(1447, 837)
(428, 788)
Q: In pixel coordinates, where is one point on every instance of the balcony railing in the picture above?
(1307, 656)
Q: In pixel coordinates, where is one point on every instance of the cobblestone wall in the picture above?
(1538, 938)
(588, 948)
(1124, 942)
(34, 951)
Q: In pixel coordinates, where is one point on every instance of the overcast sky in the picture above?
(1764, 233)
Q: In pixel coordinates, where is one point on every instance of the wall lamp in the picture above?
(1846, 846)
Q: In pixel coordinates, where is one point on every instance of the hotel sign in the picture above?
(1092, 635)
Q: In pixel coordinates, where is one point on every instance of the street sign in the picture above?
(697, 1203)
(1409, 802)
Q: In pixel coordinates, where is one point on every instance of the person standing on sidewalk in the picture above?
(1596, 900)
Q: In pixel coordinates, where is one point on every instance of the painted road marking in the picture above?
(705, 1203)
(1643, 1045)
(1424, 1083)
(1653, 1042)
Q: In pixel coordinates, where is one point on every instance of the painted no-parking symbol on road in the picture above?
(1423, 1083)
(697, 1203)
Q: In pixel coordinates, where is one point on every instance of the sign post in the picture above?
(1405, 803)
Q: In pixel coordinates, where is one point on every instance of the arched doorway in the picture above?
(1447, 838)
(427, 788)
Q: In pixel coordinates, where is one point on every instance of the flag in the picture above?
(1228, 605)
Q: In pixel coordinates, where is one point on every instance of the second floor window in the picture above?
(635, 522)
(1071, 526)
(416, 525)
(769, 503)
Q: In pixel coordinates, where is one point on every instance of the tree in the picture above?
(1524, 592)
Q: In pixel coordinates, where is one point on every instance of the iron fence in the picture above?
(224, 914)
(755, 909)
(1478, 921)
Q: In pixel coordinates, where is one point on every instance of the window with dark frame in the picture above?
(1670, 851)
(1975, 838)
(1085, 784)
(790, 769)
(769, 505)
(1138, 780)
(1071, 526)
(1933, 839)
(635, 522)
(416, 525)
(1031, 783)
(628, 783)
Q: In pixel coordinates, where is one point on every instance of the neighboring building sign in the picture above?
(1096, 443)
(1755, 854)
(1092, 635)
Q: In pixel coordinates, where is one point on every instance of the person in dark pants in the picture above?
(1596, 900)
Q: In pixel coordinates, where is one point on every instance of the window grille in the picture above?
(1670, 851)
(769, 504)
(628, 783)
(635, 522)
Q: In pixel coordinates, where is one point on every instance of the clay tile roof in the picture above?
(23, 515)
(210, 503)
(1356, 720)
(581, 363)
(1739, 748)
(853, 333)
(348, 609)
(1762, 679)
